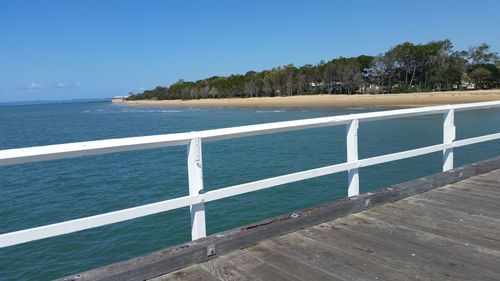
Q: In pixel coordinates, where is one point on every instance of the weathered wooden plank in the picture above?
(468, 204)
(492, 177)
(464, 234)
(297, 268)
(495, 174)
(344, 264)
(432, 241)
(485, 182)
(476, 191)
(427, 207)
(478, 188)
(469, 197)
(481, 263)
(395, 251)
(192, 273)
(489, 182)
(489, 250)
(388, 259)
(224, 270)
(260, 269)
(453, 205)
(419, 214)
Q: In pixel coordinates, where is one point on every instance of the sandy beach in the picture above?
(406, 100)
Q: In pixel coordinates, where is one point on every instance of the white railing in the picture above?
(197, 197)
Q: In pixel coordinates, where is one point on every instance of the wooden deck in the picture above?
(448, 233)
(444, 226)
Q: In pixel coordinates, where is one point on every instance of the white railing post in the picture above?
(449, 132)
(352, 155)
(195, 178)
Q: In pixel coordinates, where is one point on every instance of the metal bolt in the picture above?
(210, 250)
(368, 202)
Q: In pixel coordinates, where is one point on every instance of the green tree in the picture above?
(407, 67)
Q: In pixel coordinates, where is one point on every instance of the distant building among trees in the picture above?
(407, 67)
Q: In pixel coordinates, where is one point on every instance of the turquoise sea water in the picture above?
(49, 192)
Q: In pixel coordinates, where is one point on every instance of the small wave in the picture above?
(151, 111)
(269, 111)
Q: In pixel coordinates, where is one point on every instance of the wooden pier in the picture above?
(449, 233)
(442, 227)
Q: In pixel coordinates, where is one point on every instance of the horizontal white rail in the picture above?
(60, 151)
(36, 233)
(197, 197)
(475, 140)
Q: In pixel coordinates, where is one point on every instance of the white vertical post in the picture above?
(352, 155)
(195, 178)
(449, 132)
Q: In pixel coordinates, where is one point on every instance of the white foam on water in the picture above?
(269, 111)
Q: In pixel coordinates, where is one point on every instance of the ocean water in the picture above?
(48, 192)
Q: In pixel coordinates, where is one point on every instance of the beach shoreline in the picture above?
(399, 100)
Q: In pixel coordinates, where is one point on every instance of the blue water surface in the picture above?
(42, 193)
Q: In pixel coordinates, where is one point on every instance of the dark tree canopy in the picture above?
(407, 67)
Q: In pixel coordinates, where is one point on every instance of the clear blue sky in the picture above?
(90, 49)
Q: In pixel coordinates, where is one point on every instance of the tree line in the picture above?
(407, 67)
